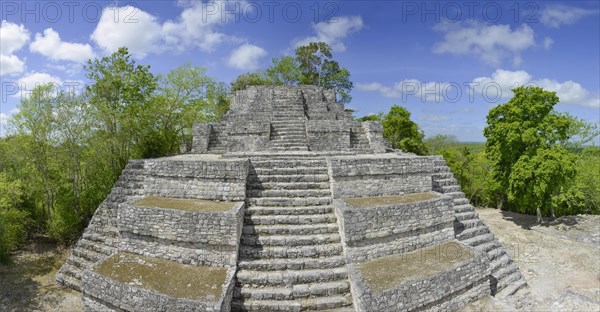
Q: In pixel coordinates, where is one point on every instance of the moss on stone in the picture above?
(385, 272)
(195, 205)
(167, 277)
(365, 202)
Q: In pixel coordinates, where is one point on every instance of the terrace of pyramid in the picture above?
(288, 204)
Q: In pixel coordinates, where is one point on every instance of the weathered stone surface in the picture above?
(291, 155)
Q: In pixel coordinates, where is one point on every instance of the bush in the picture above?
(13, 224)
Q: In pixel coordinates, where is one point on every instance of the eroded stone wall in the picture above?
(379, 175)
(373, 232)
(201, 238)
(448, 290)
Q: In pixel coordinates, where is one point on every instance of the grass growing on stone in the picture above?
(195, 205)
(365, 202)
(167, 277)
(382, 273)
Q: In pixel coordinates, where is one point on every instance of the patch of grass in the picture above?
(195, 205)
(365, 202)
(385, 272)
(168, 277)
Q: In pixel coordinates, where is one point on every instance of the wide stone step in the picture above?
(489, 247)
(294, 292)
(289, 219)
(320, 303)
(290, 277)
(279, 140)
(505, 271)
(472, 223)
(96, 246)
(289, 193)
(320, 251)
(472, 232)
(290, 171)
(499, 263)
(463, 208)
(461, 201)
(299, 136)
(480, 239)
(496, 253)
(290, 149)
(288, 178)
(456, 195)
(258, 210)
(289, 163)
(89, 255)
(446, 182)
(289, 186)
(71, 270)
(513, 288)
(292, 264)
(289, 240)
(442, 175)
(450, 189)
(287, 229)
(286, 201)
(466, 215)
(290, 131)
(287, 144)
(509, 279)
(69, 281)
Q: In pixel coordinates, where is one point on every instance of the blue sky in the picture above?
(447, 62)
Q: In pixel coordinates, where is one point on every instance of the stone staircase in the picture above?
(288, 128)
(215, 143)
(505, 279)
(291, 256)
(101, 236)
(358, 139)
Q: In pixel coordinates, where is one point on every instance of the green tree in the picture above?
(181, 101)
(439, 142)
(317, 67)
(402, 132)
(120, 93)
(13, 221)
(243, 81)
(522, 142)
(284, 71)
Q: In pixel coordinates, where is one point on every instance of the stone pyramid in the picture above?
(288, 204)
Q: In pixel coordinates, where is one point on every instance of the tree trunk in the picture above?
(552, 213)
(538, 213)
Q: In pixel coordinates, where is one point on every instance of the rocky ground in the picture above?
(560, 260)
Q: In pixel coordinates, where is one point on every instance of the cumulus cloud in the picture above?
(490, 43)
(12, 38)
(494, 87)
(143, 33)
(27, 83)
(558, 15)
(128, 26)
(246, 57)
(334, 31)
(50, 45)
(427, 91)
(548, 42)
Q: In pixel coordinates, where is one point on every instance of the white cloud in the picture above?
(50, 45)
(334, 31)
(491, 43)
(548, 42)
(492, 88)
(427, 91)
(558, 15)
(246, 57)
(10, 64)
(127, 26)
(143, 33)
(27, 83)
(12, 38)
(569, 92)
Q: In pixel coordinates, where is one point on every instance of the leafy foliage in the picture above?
(313, 64)
(402, 132)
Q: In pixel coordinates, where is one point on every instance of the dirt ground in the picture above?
(560, 260)
(28, 283)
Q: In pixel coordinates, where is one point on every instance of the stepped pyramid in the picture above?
(288, 204)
